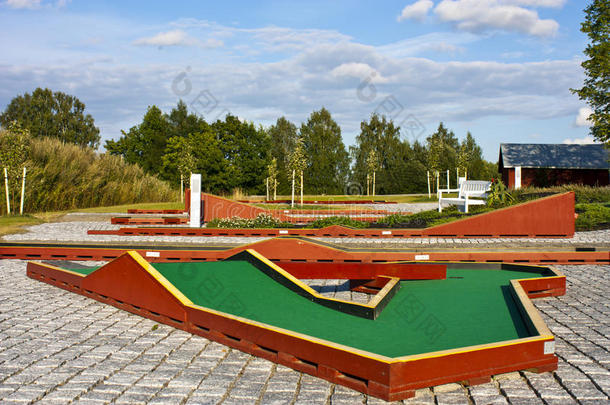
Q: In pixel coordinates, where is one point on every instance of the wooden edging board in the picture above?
(297, 250)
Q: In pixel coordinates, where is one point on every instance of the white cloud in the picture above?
(416, 11)
(580, 141)
(483, 15)
(177, 38)
(537, 3)
(168, 38)
(268, 39)
(34, 4)
(360, 71)
(582, 119)
(437, 42)
(31, 4)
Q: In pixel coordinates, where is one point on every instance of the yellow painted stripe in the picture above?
(298, 282)
(369, 355)
(50, 266)
(159, 277)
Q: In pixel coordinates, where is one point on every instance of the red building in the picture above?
(542, 165)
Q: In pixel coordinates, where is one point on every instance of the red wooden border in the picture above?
(294, 249)
(543, 218)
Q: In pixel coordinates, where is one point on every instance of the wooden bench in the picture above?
(450, 190)
(469, 193)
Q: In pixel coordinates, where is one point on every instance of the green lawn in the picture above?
(15, 223)
(141, 206)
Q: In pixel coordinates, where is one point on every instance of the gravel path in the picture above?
(76, 231)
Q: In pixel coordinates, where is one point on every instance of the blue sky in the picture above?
(501, 69)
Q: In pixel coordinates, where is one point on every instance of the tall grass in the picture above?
(65, 176)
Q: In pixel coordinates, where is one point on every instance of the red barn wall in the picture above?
(555, 177)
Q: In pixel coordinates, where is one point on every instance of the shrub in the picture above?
(426, 219)
(261, 221)
(498, 195)
(592, 216)
(344, 221)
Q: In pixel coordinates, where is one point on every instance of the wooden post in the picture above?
(274, 189)
(292, 201)
(448, 185)
(428, 178)
(22, 191)
(301, 188)
(368, 181)
(457, 177)
(267, 194)
(8, 201)
(181, 188)
(438, 182)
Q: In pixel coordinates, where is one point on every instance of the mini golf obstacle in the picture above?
(427, 324)
(549, 217)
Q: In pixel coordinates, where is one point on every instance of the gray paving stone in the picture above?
(63, 347)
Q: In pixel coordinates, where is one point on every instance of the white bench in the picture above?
(450, 190)
(469, 193)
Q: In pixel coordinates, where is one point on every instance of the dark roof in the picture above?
(560, 156)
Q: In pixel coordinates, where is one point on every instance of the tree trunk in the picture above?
(374, 183)
(8, 200)
(22, 192)
(292, 201)
(301, 188)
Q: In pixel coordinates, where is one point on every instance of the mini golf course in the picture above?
(425, 324)
(551, 216)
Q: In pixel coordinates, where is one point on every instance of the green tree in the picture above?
(328, 162)
(209, 160)
(383, 137)
(372, 163)
(144, 144)
(52, 114)
(14, 152)
(178, 156)
(273, 172)
(470, 157)
(297, 163)
(182, 123)
(442, 150)
(198, 153)
(283, 137)
(245, 149)
(596, 89)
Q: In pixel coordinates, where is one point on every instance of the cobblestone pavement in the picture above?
(58, 347)
(76, 231)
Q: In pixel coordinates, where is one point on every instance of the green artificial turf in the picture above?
(470, 307)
